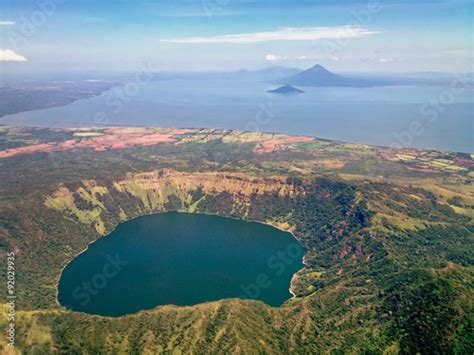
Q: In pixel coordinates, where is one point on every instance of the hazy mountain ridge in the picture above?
(321, 77)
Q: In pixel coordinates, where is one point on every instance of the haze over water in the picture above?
(381, 115)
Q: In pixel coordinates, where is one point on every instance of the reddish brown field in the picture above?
(272, 145)
(113, 138)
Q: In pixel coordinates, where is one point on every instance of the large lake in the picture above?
(437, 117)
(180, 259)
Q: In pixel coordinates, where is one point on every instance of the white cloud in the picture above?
(283, 34)
(274, 58)
(386, 60)
(6, 23)
(7, 55)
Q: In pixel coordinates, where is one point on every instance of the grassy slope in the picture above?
(388, 232)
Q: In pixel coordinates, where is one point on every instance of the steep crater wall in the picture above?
(320, 213)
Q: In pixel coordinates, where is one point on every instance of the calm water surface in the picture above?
(181, 259)
(382, 115)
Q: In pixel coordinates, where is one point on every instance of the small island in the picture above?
(286, 90)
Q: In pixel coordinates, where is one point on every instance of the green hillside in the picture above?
(388, 234)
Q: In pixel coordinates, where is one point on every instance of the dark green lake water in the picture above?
(181, 259)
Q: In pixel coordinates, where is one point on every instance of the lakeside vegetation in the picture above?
(388, 233)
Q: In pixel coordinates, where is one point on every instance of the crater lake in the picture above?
(180, 259)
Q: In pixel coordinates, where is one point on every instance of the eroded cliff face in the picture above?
(102, 205)
(209, 182)
(321, 213)
(163, 190)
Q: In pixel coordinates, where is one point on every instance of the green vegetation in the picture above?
(389, 238)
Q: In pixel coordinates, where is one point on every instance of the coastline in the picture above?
(98, 94)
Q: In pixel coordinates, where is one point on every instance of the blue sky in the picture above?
(350, 35)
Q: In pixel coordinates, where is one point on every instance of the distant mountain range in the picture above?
(267, 74)
(271, 73)
(321, 77)
(286, 90)
(316, 76)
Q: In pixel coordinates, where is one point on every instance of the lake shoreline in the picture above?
(293, 295)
